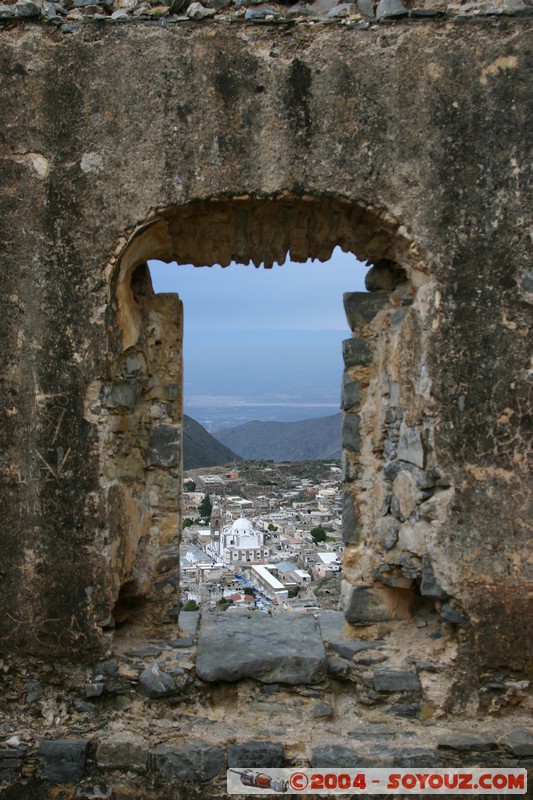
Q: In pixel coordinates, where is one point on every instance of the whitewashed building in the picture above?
(240, 543)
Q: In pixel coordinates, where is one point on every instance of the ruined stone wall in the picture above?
(406, 143)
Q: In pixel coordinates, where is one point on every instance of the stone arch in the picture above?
(261, 230)
(141, 407)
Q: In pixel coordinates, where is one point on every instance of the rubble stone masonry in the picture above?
(404, 139)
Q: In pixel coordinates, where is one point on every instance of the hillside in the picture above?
(200, 449)
(306, 440)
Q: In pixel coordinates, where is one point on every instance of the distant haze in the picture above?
(262, 344)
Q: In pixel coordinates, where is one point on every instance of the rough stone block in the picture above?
(164, 448)
(123, 750)
(526, 281)
(366, 8)
(94, 689)
(34, 691)
(452, 615)
(363, 604)
(351, 438)
(195, 762)
(429, 587)
(321, 711)
(168, 393)
(391, 680)
(135, 365)
(338, 667)
(341, 10)
(285, 648)
(84, 707)
(362, 307)
(256, 754)
(64, 759)
(120, 395)
(181, 644)
(466, 742)
(189, 621)
(28, 9)
(350, 522)
(384, 275)
(518, 741)
(331, 624)
(356, 352)
(11, 760)
(410, 447)
(387, 530)
(108, 667)
(416, 757)
(406, 493)
(348, 648)
(156, 683)
(335, 756)
(387, 9)
(407, 710)
(351, 392)
(350, 470)
(218, 4)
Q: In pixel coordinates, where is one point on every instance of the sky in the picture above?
(262, 343)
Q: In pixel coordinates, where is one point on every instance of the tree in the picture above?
(318, 534)
(190, 485)
(272, 527)
(190, 605)
(206, 507)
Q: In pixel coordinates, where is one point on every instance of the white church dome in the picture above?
(242, 526)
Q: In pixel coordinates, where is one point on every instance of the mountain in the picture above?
(200, 449)
(306, 440)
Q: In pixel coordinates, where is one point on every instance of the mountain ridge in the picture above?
(201, 449)
(305, 440)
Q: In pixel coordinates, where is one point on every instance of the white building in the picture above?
(327, 564)
(264, 579)
(240, 543)
(302, 577)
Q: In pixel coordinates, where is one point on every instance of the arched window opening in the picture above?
(387, 457)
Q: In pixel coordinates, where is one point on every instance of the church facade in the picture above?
(240, 543)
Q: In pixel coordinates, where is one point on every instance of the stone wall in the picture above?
(160, 720)
(407, 143)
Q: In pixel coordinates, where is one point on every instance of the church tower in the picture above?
(215, 526)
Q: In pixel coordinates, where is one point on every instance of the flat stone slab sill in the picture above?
(287, 648)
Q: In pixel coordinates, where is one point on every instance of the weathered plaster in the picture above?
(408, 143)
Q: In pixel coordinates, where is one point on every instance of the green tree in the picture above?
(190, 605)
(272, 527)
(318, 534)
(206, 507)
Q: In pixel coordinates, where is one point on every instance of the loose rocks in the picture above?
(156, 683)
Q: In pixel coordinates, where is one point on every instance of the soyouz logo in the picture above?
(470, 780)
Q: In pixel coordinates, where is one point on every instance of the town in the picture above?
(262, 535)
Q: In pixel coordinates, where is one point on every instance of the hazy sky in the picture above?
(264, 340)
(242, 297)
